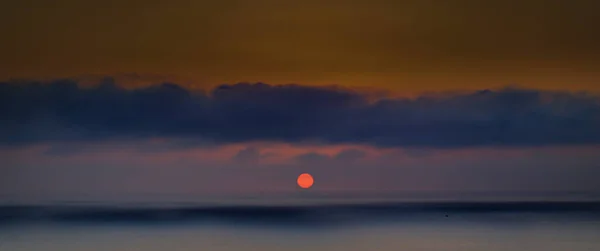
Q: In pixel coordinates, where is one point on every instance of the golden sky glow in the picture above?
(406, 45)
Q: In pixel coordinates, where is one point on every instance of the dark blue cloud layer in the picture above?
(62, 111)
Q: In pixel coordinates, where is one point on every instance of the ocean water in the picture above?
(390, 227)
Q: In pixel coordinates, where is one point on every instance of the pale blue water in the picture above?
(422, 237)
(337, 230)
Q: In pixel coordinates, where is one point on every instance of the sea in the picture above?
(375, 226)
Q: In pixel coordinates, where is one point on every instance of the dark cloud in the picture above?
(33, 112)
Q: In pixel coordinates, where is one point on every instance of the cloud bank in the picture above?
(33, 112)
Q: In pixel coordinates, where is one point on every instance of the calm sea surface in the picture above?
(316, 229)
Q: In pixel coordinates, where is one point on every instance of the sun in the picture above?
(305, 180)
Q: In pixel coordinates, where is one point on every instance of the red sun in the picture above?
(305, 180)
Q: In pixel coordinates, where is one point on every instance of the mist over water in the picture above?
(406, 226)
(433, 235)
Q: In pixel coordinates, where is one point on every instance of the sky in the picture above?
(187, 100)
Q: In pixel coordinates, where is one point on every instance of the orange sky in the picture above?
(405, 45)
